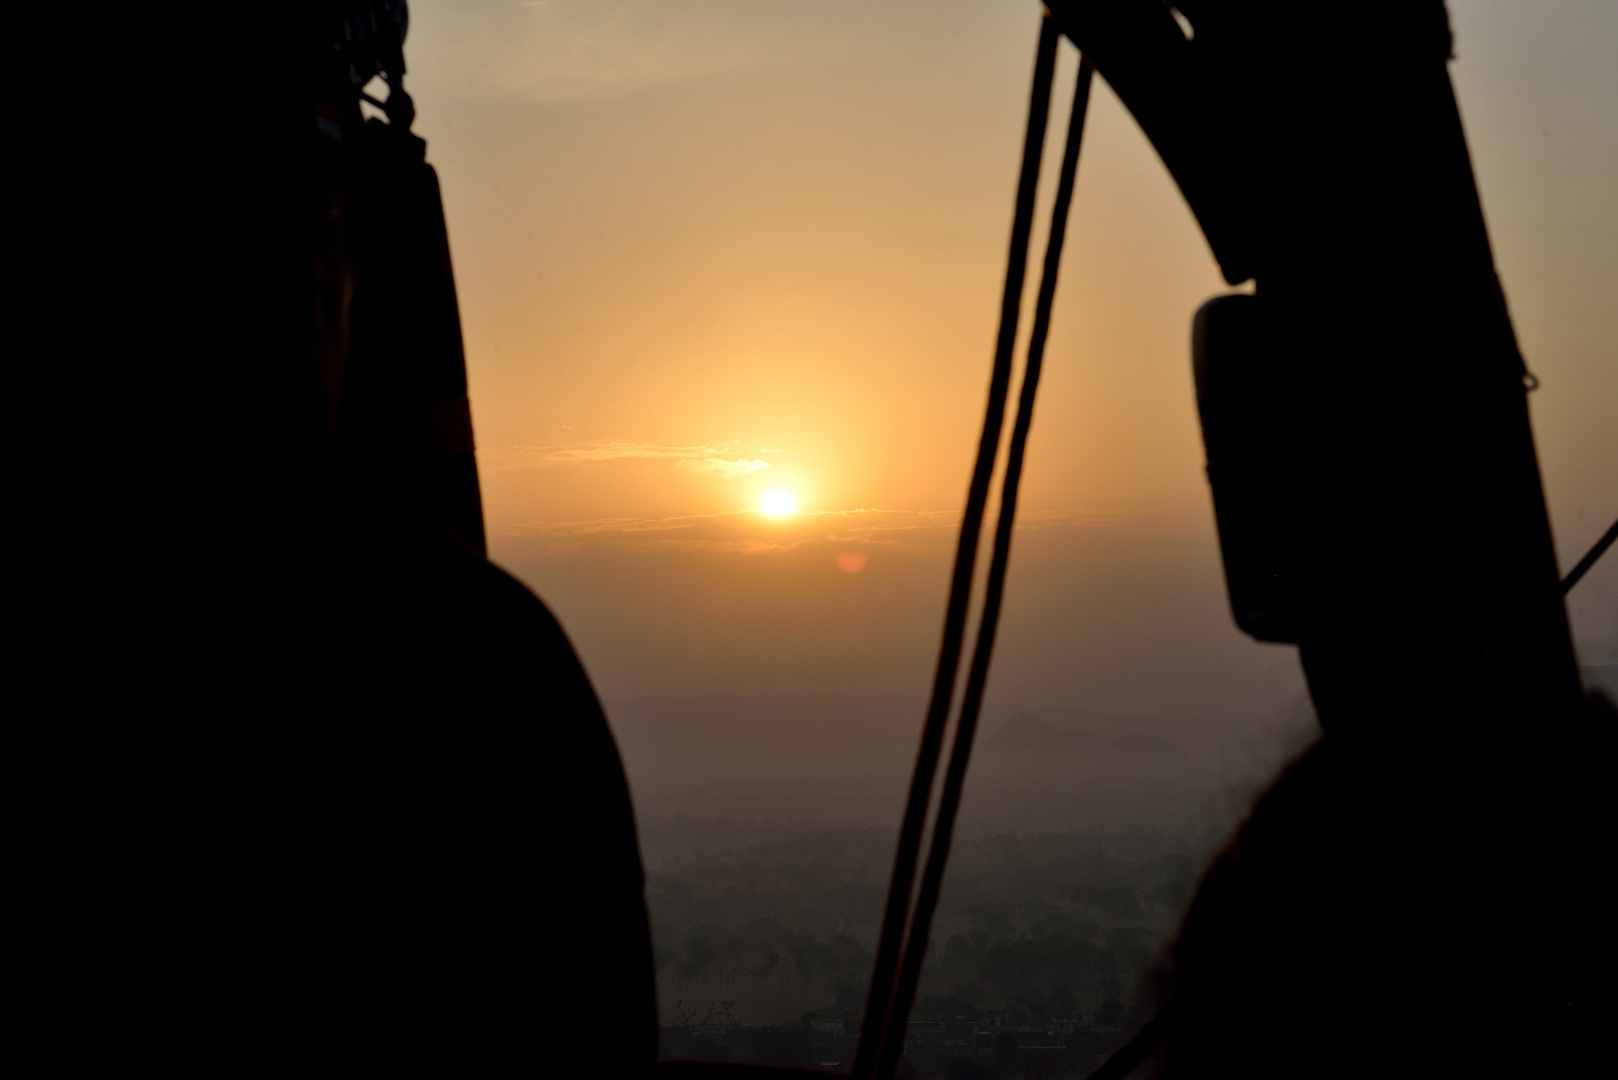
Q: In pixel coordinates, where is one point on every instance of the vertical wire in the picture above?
(896, 1020)
(900, 887)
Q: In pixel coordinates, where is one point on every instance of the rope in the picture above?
(1590, 558)
(877, 1004)
(915, 953)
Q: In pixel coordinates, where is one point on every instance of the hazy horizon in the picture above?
(717, 258)
(707, 249)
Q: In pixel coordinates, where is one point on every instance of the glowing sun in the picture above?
(780, 502)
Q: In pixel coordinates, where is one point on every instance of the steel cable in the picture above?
(889, 1033)
(1590, 558)
(921, 920)
(896, 914)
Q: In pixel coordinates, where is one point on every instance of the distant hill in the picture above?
(848, 760)
(1026, 733)
(726, 737)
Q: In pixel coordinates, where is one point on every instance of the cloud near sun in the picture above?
(749, 532)
(704, 460)
(738, 532)
(727, 470)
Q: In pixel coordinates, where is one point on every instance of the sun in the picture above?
(780, 503)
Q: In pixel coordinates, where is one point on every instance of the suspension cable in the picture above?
(1590, 558)
(915, 952)
(900, 887)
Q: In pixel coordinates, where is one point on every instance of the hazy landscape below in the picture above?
(836, 760)
(767, 827)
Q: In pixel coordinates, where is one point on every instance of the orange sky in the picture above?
(710, 249)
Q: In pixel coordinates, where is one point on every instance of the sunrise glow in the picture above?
(780, 503)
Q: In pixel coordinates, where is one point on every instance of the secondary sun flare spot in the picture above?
(780, 503)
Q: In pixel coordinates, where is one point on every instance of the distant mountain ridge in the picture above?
(848, 759)
(829, 738)
(1026, 733)
(758, 737)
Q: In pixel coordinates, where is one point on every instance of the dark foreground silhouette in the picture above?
(418, 785)
(463, 816)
